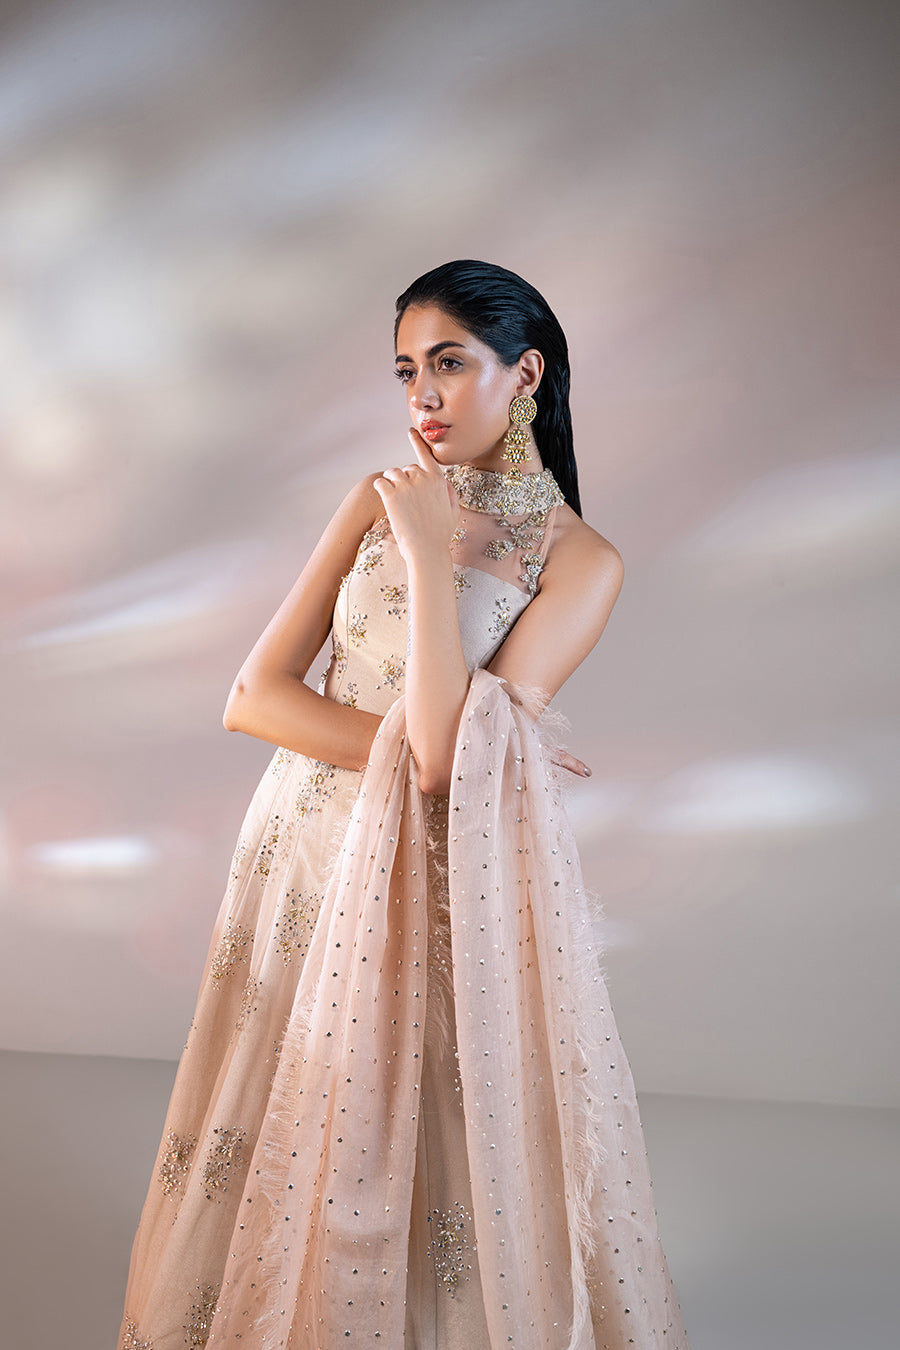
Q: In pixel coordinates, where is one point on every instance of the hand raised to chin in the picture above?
(421, 503)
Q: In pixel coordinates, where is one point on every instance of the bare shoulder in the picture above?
(363, 501)
(356, 514)
(580, 556)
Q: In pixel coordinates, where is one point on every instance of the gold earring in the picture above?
(522, 411)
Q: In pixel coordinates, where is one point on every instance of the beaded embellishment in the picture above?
(295, 923)
(505, 494)
(233, 949)
(176, 1162)
(225, 1157)
(450, 1247)
(316, 786)
(500, 625)
(132, 1339)
(529, 496)
(199, 1323)
(249, 995)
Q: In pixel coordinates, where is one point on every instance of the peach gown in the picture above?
(403, 1116)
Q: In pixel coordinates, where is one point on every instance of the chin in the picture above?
(446, 454)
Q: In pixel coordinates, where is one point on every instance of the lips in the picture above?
(433, 431)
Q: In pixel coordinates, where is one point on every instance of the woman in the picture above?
(403, 1116)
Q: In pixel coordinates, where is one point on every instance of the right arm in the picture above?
(269, 699)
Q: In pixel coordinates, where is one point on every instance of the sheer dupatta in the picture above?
(319, 1253)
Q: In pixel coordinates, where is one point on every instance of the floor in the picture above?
(780, 1220)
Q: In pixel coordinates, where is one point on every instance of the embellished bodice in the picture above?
(498, 550)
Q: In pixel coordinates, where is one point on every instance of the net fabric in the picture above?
(322, 1246)
(354, 1196)
(505, 526)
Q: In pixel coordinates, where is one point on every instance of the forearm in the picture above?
(285, 711)
(437, 678)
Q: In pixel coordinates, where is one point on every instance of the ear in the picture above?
(531, 368)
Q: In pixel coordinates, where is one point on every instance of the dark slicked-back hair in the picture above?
(506, 313)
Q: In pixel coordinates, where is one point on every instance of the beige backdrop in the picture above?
(208, 210)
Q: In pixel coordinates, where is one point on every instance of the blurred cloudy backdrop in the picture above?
(208, 209)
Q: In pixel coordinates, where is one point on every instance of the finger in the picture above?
(567, 761)
(423, 450)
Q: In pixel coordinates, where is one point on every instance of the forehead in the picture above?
(423, 325)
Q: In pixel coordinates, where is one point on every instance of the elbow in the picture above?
(434, 781)
(230, 717)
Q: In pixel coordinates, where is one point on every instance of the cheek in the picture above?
(492, 400)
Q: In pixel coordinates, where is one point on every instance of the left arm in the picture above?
(423, 511)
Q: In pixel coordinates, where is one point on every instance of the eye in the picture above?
(451, 360)
(404, 374)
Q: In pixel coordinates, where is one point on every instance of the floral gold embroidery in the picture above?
(392, 669)
(395, 598)
(283, 757)
(350, 695)
(374, 535)
(225, 1158)
(295, 920)
(532, 567)
(451, 1246)
(504, 494)
(132, 1340)
(500, 624)
(318, 784)
(356, 629)
(267, 852)
(497, 548)
(199, 1323)
(371, 560)
(340, 654)
(530, 496)
(461, 581)
(526, 534)
(231, 951)
(176, 1162)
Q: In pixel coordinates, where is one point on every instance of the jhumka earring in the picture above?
(522, 410)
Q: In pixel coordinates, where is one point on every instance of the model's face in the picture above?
(457, 389)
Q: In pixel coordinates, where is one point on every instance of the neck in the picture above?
(493, 462)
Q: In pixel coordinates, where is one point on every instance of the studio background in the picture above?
(208, 210)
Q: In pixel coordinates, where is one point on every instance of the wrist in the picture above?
(430, 563)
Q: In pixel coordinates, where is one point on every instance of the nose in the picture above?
(424, 395)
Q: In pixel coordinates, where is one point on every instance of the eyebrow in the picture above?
(432, 351)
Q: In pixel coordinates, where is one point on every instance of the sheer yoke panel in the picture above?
(505, 524)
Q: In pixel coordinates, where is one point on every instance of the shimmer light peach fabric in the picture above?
(403, 1116)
